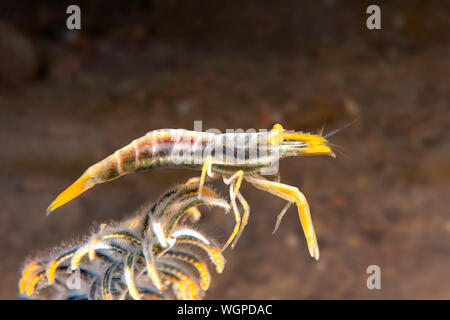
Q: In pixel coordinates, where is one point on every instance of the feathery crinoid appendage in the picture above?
(157, 254)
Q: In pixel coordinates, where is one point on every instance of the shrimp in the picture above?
(231, 156)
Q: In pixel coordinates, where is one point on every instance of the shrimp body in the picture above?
(178, 148)
(173, 148)
(232, 156)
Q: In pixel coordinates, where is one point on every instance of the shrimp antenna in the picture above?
(340, 150)
(323, 126)
(332, 133)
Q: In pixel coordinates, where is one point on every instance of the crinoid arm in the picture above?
(156, 254)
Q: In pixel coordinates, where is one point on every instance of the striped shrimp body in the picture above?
(230, 156)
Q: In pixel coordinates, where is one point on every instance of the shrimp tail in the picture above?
(84, 183)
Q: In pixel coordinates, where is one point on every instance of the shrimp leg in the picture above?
(235, 182)
(206, 170)
(245, 217)
(291, 194)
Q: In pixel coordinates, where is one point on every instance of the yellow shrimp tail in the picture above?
(83, 184)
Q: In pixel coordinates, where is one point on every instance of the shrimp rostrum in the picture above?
(232, 157)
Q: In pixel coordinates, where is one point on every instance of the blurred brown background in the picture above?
(68, 99)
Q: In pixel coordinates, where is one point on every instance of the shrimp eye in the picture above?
(276, 135)
(277, 126)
